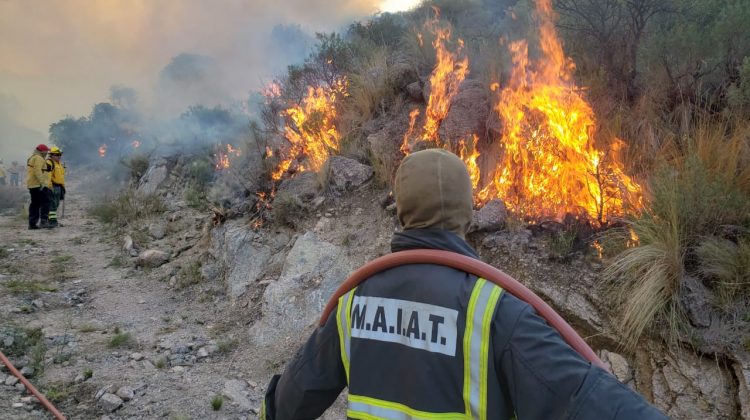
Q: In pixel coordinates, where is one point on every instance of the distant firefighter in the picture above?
(37, 181)
(15, 174)
(2, 173)
(56, 184)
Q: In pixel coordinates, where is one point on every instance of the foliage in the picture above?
(137, 164)
(216, 402)
(122, 339)
(28, 342)
(703, 186)
(726, 264)
(126, 208)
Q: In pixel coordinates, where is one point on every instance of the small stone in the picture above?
(37, 303)
(20, 387)
(152, 258)
(136, 356)
(253, 384)
(178, 369)
(491, 217)
(157, 231)
(173, 281)
(8, 341)
(126, 393)
(18, 405)
(102, 391)
(11, 380)
(202, 353)
(110, 402)
(3, 377)
(27, 371)
(79, 378)
(148, 365)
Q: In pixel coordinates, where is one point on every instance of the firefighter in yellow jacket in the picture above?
(56, 184)
(37, 181)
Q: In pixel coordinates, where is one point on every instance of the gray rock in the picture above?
(157, 230)
(136, 356)
(27, 371)
(202, 353)
(20, 387)
(401, 72)
(245, 261)
(303, 186)
(110, 402)
(312, 271)
(8, 341)
(125, 393)
(743, 388)
(152, 179)
(37, 303)
(489, 218)
(690, 386)
(619, 366)
(697, 299)
(11, 380)
(79, 378)
(127, 244)
(3, 377)
(152, 258)
(347, 174)
(209, 272)
(468, 113)
(237, 391)
(414, 90)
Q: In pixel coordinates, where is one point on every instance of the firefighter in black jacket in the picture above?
(426, 341)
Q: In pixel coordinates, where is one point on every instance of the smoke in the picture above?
(59, 57)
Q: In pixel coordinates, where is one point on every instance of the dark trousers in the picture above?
(39, 207)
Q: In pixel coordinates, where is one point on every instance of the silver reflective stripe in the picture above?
(482, 304)
(371, 408)
(380, 412)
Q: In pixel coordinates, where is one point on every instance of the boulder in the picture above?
(414, 90)
(468, 113)
(152, 258)
(237, 391)
(303, 186)
(312, 271)
(491, 217)
(686, 385)
(157, 230)
(244, 259)
(110, 402)
(347, 174)
(153, 178)
(400, 72)
(125, 393)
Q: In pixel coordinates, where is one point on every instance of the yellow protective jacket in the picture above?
(35, 171)
(58, 174)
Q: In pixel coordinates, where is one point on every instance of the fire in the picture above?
(469, 156)
(550, 165)
(405, 147)
(311, 129)
(271, 90)
(269, 152)
(102, 150)
(223, 155)
(136, 144)
(446, 77)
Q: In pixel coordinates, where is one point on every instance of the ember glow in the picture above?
(224, 154)
(550, 165)
(311, 129)
(469, 155)
(102, 150)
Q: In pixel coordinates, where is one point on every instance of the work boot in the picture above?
(44, 224)
(52, 224)
(33, 227)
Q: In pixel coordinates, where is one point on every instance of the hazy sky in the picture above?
(59, 57)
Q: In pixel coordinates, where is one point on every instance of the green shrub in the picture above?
(127, 208)
(704, 185)
(122, 339)
(726, 265)
(216, 402)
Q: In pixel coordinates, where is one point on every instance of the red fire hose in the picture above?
(42, 399)
(472, 266)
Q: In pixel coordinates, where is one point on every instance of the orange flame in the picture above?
(405, 144)
(223, 157)
(469, 156)
(550, 165)
(446, 77)
(311, 129)
(102, 150)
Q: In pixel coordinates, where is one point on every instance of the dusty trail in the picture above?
(70, 283)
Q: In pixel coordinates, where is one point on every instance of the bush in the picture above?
(703, 187)
(126, 208)
(122, 339)
(12, 198)
(726, 265)
(137, 164)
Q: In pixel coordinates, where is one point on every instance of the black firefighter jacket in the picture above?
(412, 354)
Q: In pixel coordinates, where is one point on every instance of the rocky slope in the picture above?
(191, 311)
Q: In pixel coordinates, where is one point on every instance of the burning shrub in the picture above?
(704, 185)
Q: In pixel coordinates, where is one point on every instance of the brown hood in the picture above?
(433, 191)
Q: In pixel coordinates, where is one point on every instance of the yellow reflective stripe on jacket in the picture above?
(372, 408)
(484, 298)
(262, 415)
(344, 325)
